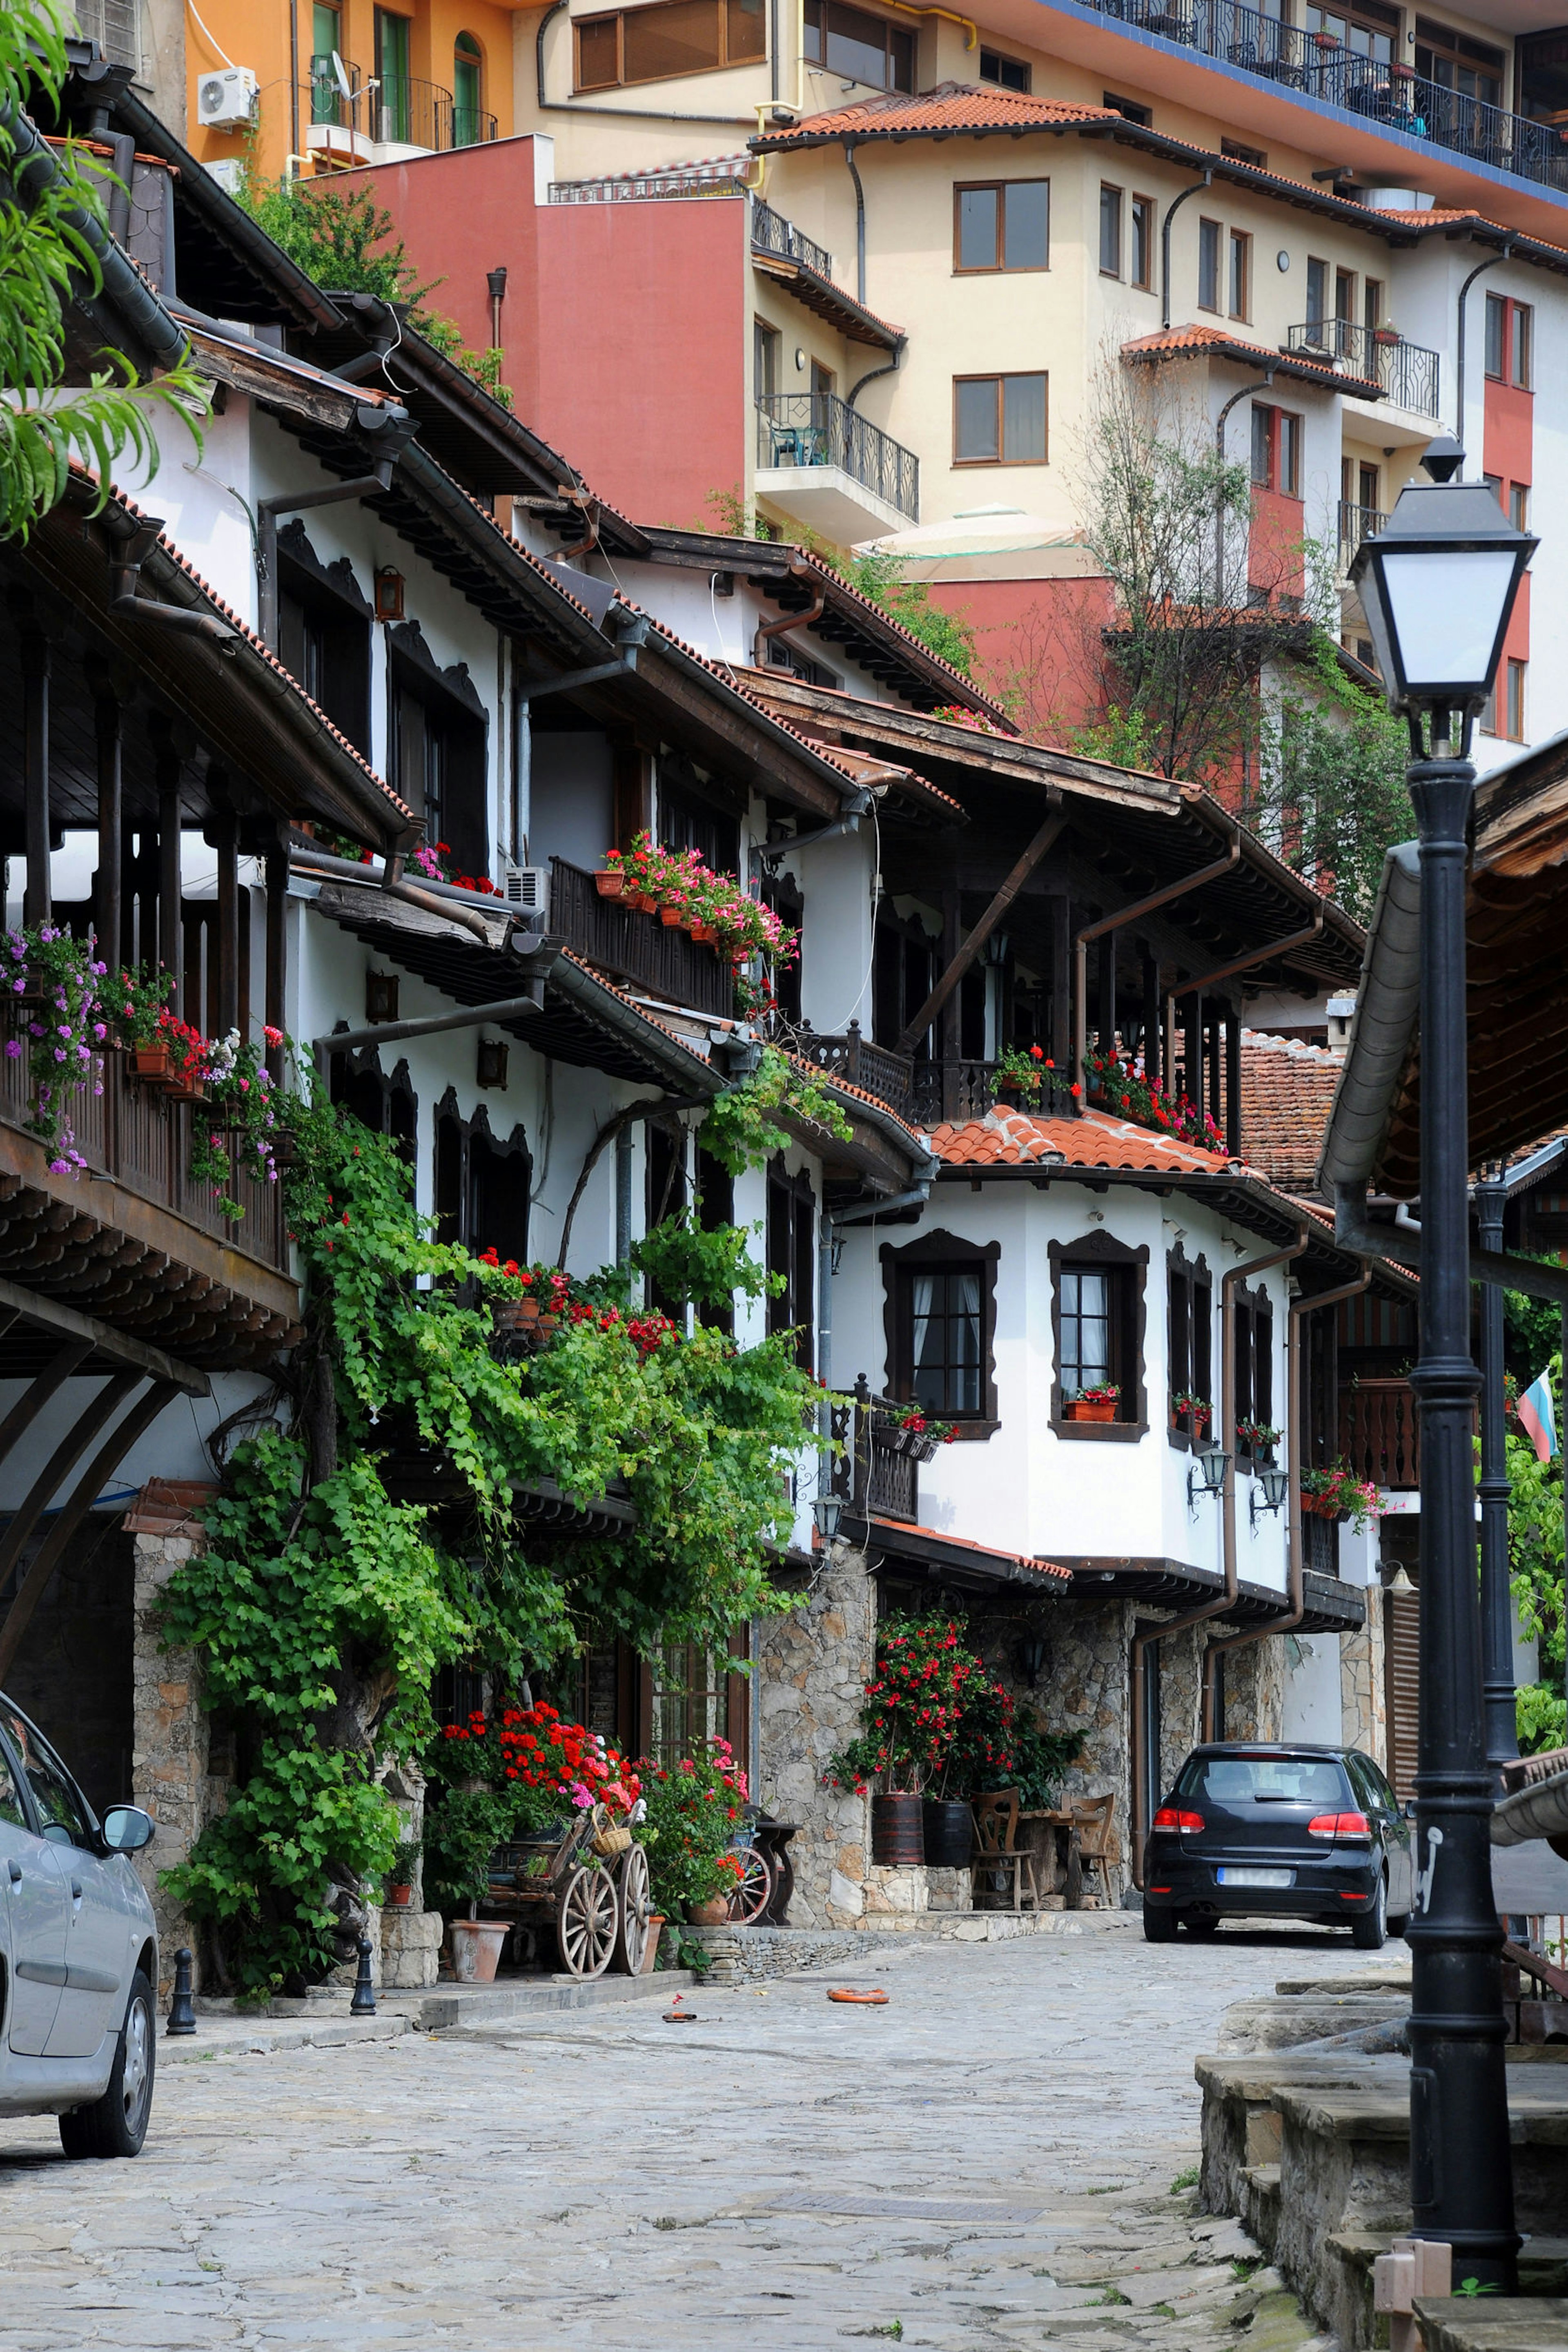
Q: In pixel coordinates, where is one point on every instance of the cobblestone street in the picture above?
(988, 2160)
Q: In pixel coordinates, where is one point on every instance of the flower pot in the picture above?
(703, 934)
(655, 1935)
(640, 902)
(610, 882)
(949, 1833)
(475, 1948)
(400, 1897)
(672, 917)
(898, 1831)
(514, 1313)
(1080, 1409)
(153, 1062)
(1387, 336)
(712, 1914)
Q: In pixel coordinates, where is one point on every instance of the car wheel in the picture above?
(1205, 1923)
(1159, 1927)
(1369, 1934)
(116, 2125)
(1396, 1926)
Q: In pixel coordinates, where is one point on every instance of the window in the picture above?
(438, 750)
(998, 420)
(1516, 701)
(1097, 1320)
(1276, 450)
(482, 1183)
(790, 1245)
(394, 91)
(1252, 1323)
(1007, 73)
(1470, 68)
(324, 633)
(1208, 265)
(388, 1106)
(861, 47)
(675, 38)
(1239, 153)
(467, 89)
(1317, 291)
(1518, 505)
(326, 55)
(1366, 28)
(63, 1813)
(1523, 373)
(1110, 232)
(1262, 447)
(1002, 225)
(1240, 273)
(1141, 266)
(766, 343)
(1129, 109)
(940, 1320)
(1189, 1327)
(1290, 453)
(1497, 335)
(1371, 303)
(1509, 341)
(692, 1697)
(686, 820)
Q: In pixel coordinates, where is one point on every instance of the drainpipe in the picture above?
(125, 571)
(767, 630)
(1265, 384)
(622, 113)
(1174, 206)
(496, 280)
(1478, 271)
(849, 145)
(870, 376)
(1147, 1636)
(1296, 1607)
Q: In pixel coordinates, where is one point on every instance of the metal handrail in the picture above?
(818, 428)
(1319, 67)
(1356, 523)
(771, 233)
(396, 110)
(1407, 374)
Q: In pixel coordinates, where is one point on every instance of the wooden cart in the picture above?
(597, 1903)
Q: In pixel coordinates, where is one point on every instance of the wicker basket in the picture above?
(610, 1838)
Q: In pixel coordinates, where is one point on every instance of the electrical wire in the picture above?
(206, 35)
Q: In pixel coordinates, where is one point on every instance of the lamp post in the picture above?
(1497, 1599)
(1437, 587)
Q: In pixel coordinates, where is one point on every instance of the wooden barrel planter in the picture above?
(949, 1835)
(898, 1832)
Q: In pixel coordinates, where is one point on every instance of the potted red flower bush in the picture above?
(910, 1712)
(695, 1811)
(1097, 1402)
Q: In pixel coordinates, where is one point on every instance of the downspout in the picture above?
(1296, 1607)
(870, 376)
(1174, 206)
(767, 630)
(1478, 271)
(1265, 384)
(1149, 1635)
(1133, 914)
(125, 571)
(620, 113)
(849, 145)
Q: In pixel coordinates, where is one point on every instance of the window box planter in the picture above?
(610, 882)
(153, 1062)
(673, 918)
(1080, 1409)
(703, 934)
(1316, 1507)
(641, 902)
(1386, 336)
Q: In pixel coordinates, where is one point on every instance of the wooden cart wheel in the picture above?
(585, 1929)
(634, 1907)
(751, 1898)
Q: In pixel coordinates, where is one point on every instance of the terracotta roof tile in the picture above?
(1048, 1568)
(1191, 341)
(1017, 1139)
(1287, 1091)
(951, 106)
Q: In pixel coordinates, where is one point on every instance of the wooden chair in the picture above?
(997, 1855)
(1091, 1834)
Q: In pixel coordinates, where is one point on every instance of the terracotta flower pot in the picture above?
(400, 1897)
(641, 902)
(672, 917)
(153, 1062)
(475, 1948)
(651, 1949)
(898, 1831)
(1080, 1409)
(610, 882)
(703, 934)
(712, 1914)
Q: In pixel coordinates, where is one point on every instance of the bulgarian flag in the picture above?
(1535, 1417)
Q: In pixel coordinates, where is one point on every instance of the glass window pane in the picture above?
(976, 228)
(975, 418)
(1208, 265)
(857, 45)
(1446, 613)
(811, 43)
(597, 53)
(679, 39)
(1496, 338)
(1023, 418)
(11, 1806)
(1027, 225)
(1111, 231)
(1261, 469)
(745, 31)
(62, 1813)
(1523, 321)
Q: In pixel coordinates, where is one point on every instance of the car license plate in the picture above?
(1230, 1876)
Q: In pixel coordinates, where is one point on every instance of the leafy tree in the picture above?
(1535, 1560)
(46, 258)
(1329, 789)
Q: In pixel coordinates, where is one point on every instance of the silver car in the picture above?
(79, 1953)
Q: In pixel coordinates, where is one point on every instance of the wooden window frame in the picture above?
(1146, 209)
(941, 1253)
(823, 64)
(1239, 243)
(1100, 1253)
(793, 1254)
(998, 267)
(1195, 1280)
(1497, 307)
(1252, 1316)
(1289, 429)
(1110, 188)
(1521, 338)
(1209, 233)
(724, 64)
(1514, 683)
(1020, 89)
(1005, 375)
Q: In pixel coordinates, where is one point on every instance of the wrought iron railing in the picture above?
(1407, 373)
(771, 233)
(1380, 1433)
(1319, 67)
(1356, 523)
(396, 110)
(726, 175)
(1320, 1541)
(928, 1092)
(639, 948)
(818, 428)
(877, 1475)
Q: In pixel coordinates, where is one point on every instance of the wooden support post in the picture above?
(1062, 1030)
(1212, 1030)
(949, 1035)
(1152, 1038)
(1191, 1050)
(1233, 1081)
(37, 903)
(1105, 1009)
(225, 836)
(277, 999)
(957, 959)
(107, 885)
(171, 939)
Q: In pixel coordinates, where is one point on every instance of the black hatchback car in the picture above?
(1285, 1832)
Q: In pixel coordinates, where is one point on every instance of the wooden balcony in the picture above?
(1379, 1433)
(927, 1093)
(639, 949)
(130, 1239)
(876, 1477)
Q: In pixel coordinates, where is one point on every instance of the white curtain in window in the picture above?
(922, 1297)
(965, 1332)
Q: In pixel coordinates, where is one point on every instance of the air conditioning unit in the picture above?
(526, 889)
(228, 171)
(226, 99)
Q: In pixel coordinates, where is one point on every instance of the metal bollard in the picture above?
(365, 2001)
(181, 2013)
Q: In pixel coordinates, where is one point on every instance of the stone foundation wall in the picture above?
(170, 1743)
(1255, 1689)
(1364, 1692)
(811, 1666)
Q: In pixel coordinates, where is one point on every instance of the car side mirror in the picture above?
(1407, 1810)
(127, 1829)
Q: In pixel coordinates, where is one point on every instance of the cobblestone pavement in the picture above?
(987, 2161)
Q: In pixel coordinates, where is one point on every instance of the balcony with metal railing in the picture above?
(771, 233)
(823, 463)
(1356, 523)
(1318, 66)
(350, 120)
(1408, 374)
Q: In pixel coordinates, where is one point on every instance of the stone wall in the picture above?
(170, 1759)
(1364, 1691)
(810, 1667)
(1255, 1689)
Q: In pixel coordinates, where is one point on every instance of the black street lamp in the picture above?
(1437, 587)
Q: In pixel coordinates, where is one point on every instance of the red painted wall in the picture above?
(1508, 442)
(1036, 646)
(1275, 559)
(624, 327)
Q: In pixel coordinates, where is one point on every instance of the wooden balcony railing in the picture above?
(637, 948)
(1319, 1540)
(928, 1092)
(1379, 1433)
(135, 1135)
(877, 1479)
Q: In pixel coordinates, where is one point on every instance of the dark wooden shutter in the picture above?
(1402, 1671)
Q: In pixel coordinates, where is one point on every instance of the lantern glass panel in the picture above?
(1445, 610)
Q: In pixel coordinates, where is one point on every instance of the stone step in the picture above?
(1452, 2323)
(1259, 2204)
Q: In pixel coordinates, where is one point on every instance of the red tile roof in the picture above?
(1017, 1139)
(1286, 1089)
(951, 106)
(1194, 342)
(1047, 1568)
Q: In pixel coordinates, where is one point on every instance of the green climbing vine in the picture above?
(325, 1600)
